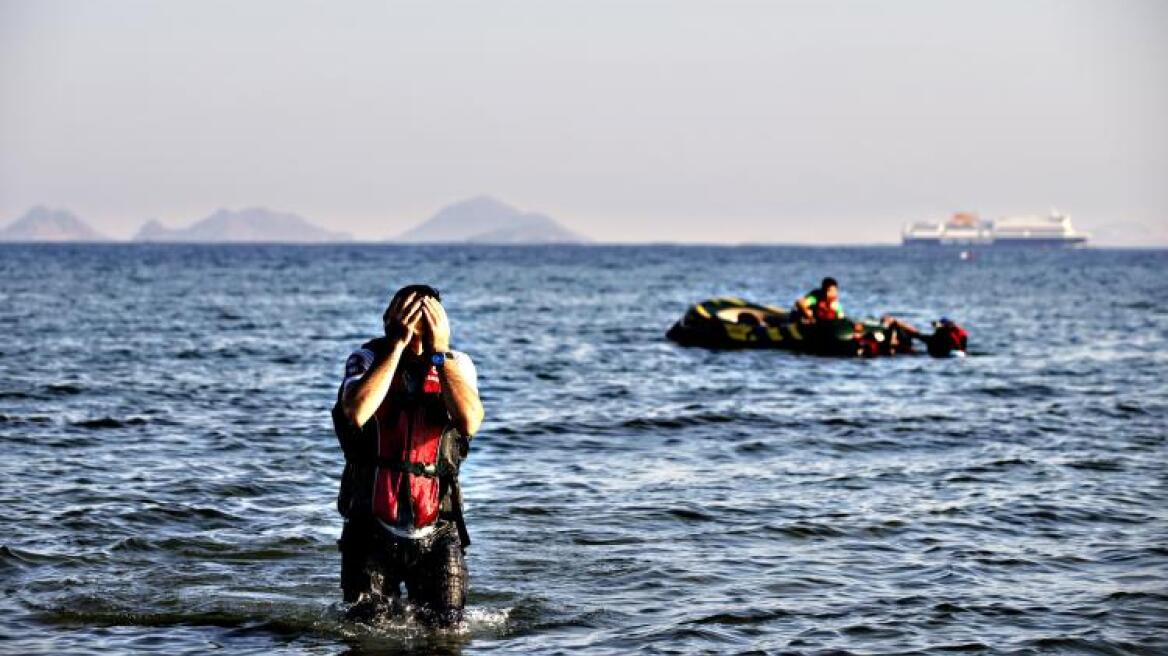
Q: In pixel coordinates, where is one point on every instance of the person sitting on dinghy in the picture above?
(820, 304)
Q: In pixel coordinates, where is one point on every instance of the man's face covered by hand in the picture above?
(416, 315)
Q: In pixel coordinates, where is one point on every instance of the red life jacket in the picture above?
(947, 338)
(867, 345)
(957, 337)
(822, 308)
(826, 310)
(408, 438)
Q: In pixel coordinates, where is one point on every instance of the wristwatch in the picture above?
(439, 359)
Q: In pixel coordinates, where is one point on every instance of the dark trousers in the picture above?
(375, 564)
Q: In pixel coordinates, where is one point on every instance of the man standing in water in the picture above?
(404, 415)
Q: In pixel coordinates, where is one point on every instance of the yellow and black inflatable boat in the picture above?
(732, 323)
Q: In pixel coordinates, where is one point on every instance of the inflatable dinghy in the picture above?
(732, 323)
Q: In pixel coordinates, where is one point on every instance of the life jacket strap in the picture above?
(415, 468)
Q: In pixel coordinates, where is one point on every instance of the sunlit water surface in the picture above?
(169, 469)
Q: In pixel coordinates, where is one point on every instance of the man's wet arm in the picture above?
(362, 397)
(461, 398)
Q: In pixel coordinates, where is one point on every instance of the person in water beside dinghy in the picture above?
(947, 339)
(405, 413)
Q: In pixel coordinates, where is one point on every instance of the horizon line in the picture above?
(582, 244)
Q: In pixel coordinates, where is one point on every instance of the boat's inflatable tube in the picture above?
(732, 323)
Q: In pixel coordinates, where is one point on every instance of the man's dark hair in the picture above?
(828, 282)
(420, 290)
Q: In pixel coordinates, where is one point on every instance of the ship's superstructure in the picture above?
(967, 229)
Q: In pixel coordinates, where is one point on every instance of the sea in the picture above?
(169, 468)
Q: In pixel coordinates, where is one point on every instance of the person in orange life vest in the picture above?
(405, 413)
(821, 304)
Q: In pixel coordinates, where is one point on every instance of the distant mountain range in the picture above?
(45, 224)
(254, 224)
(485, 220)
(481, 219)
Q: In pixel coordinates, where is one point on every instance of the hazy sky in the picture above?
(711, 121)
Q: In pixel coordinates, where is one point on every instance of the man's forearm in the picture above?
(461, 398)
(362, 398)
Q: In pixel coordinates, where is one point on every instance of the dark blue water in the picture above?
(169, 470)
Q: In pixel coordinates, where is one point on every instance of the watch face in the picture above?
(438, 359)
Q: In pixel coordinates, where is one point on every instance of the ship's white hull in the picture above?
(967, 230)
(1029, 241)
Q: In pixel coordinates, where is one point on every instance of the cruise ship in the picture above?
(967, 229)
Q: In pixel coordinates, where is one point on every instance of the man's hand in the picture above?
(403, 318)
(804, 310)
(436, 336)
(458, 394)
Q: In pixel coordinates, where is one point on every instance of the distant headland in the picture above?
(486, 220)
(253, 224)
(42, 223)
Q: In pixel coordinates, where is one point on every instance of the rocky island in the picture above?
(486, 220)
(46, 224)
(254, 224)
